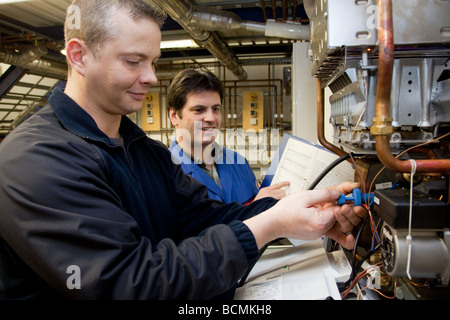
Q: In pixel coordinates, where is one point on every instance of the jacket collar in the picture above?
(185, 158)
(182, 158)
(79, 122)
(192, 169)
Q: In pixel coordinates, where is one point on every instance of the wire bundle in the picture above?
(366, 273)
(355, 278)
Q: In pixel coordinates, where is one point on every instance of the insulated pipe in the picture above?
(24, 56)
(213, 19)
(382, 127)
(30, 58)
(288, 30)
(182, 12)
(44, 66)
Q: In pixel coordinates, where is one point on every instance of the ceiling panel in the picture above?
(37, 13)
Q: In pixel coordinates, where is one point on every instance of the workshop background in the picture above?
(368, 80)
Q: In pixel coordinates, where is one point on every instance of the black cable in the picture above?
(260, 253)
(354, 264)
(354, 269)
(327, 170)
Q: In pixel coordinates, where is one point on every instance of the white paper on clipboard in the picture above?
(301, 162)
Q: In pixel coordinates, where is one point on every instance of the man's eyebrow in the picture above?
(134, 53)
(203, 106)
(140, 55)
(198, 106)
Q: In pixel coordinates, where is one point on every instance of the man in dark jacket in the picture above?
(93, 209)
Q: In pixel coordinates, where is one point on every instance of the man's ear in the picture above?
(173, 116)
(76, 50)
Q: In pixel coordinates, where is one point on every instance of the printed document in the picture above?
(301, 162)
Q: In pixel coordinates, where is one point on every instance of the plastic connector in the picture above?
(356, 197)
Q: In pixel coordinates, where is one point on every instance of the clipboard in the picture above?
(300, 162)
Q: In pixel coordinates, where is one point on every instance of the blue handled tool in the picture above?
(357, 197)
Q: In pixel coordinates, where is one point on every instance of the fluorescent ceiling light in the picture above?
(184, 43)
(171, 44)
(11, 1)
(3, 68)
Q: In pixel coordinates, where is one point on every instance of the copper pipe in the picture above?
(230, 106)
(263, 7)
(382, 127)
(386, 157)
(386, 59)
(235, 104)
(284, 9)
(274, 9)
(321, 123)
(294, 11)
(269, 123)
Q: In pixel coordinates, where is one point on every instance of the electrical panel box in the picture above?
(393, 207)
(151, 112)
(253, 110)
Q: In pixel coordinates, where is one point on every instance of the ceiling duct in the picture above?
(30, 58)
(182, 12)
(23, 56)
(214, 19)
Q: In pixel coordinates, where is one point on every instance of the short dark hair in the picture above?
(189, 81)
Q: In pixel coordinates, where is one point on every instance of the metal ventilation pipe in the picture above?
(214, 19)
(182, 12)
(44, 66)
(30, 58)
(23, 57)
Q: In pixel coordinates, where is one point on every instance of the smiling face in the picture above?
(199, 121)
(118, 78)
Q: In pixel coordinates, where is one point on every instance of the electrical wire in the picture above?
(380, 293)
(361, 275)
(327, 170)
(409, 237)
(368, 219)
(385, 296)
(260, 253)
(373, 227)
(355, 278)
(374, 230)
(364, 109)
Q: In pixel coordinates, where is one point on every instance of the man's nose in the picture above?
(148, 76)
(209, 115)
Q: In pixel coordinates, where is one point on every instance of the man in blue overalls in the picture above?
(195, 99)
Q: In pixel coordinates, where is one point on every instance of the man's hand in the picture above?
(275, 191)
(307, 215)
(347, 218)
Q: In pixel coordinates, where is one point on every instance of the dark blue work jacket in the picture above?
(125, 216)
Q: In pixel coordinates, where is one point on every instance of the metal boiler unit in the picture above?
(387, 66)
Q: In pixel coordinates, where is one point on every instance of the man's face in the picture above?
(200, 120)
(118, 78)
